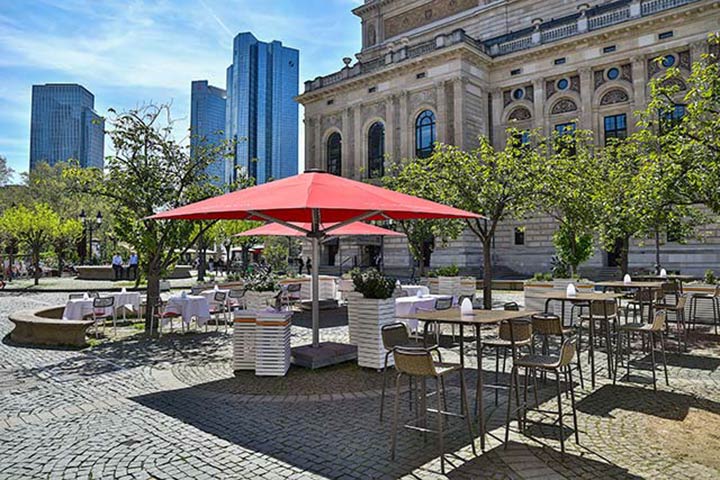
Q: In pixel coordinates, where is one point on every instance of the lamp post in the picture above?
(88, 224)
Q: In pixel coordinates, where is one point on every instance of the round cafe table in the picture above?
(189, 307)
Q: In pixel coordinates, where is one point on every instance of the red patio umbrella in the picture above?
(316, 198)
(348, 230)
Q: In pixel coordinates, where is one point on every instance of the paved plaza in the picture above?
(172, 409)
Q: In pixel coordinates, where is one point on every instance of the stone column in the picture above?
(697, 50)
(458, 114)
(390, 128)
(317, 156)
(442, 116)
(309, 142)
(538, 105)
(346, 144)
(498, 130)
(639, 75)
(358, 162)
(406, 137)
(586, 96)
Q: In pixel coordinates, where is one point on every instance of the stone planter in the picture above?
(260, 300)
(449, 286)
(369, 315)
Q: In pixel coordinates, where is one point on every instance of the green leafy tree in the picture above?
(35, 228)
(65, 240)
(225, 231)
(499, 184)
(149, 171)
(6, 173)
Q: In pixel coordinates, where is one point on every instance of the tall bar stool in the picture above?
(650, 330)
(418, 363)
(559, 365)
(442, 303)
(605, 312)
(393, 335)
(548, 325)
(678, 308)
(520, 337)
(714, 298)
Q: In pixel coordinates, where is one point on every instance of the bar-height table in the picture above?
(477, 319)
(679, 279)
(649, 286)
(562, 297)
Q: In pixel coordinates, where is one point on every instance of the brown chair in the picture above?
(601, 313)
(418, 363)
(521, 336)
(714, 298)
(548, 325)
(393, 335)
(678, 309)
(652, 331)
(560, 364)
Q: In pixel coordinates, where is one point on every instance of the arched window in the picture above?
(334, 154)
(376, 150)
(424, 134)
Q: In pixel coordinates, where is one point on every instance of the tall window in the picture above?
(376, 150)
(671, 117)
(424, 134)
(334, 154)
(519, 235)
(615, 127)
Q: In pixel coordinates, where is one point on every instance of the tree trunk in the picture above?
(202, 265)
(11, 262)
(625, 256)
(487, 273)
(657, 251)
(153, 296)
(36, 262)
(60, 265)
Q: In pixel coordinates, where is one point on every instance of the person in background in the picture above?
(308, 266)
(133, 266)
(301, 264)
(117, 263)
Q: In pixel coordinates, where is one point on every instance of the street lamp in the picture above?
(88, 224)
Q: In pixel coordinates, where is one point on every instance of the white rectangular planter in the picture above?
(369, 316)
(468, 286)
(449, 286)
(272, 344)
(534, 290)
(244, 340)
(352, 312)
(259, 300)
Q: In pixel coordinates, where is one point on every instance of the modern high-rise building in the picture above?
(262, 114)
(207, 124)
(64, 126)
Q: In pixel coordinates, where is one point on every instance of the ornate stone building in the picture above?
(452, 70)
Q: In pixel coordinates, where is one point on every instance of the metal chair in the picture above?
(678, 309)
(604, 312)
(196, 290)
(441, 303)
(714, 298)
(548, 325)
(292, 295)
(521, 337)
(159, 314)
(651, 331)
(418, 363)
(218, 307)
(237, 299)
(511, 307)
(393, 335)
(76, 296)
(100, 313)
(560, 364)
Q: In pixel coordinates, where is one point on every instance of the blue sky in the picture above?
(129, 52)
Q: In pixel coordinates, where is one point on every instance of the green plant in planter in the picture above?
(449, 271)
(373, 284)
(542, 277)
(710, 277)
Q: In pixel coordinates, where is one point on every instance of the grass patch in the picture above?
(140, 326)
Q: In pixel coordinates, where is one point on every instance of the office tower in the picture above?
(207, 124)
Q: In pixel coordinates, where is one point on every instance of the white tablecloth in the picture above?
(188, 307)
(409, 305)
(77, 308)
(415, 290)
(127, 298)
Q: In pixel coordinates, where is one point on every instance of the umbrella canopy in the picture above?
(295, 199)
(315, 198)
(349, 230)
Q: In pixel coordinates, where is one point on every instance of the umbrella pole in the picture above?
(315, 288)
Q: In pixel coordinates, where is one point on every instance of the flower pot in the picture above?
(260, 300)
(368, 317)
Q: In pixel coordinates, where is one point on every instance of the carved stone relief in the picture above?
(685, 61)
(564, 106)
(519, 114)
(422, 15)
(422, 98)
(626, 72)
(614, 96)
(575, 83)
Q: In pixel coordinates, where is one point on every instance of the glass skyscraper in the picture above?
(207, 124)
(64, 126)
(262, 114)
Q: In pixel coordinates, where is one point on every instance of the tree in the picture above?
(569, 177)
(65, 239)
(499, 184)
(149, 171)
(225, 232)
(34, 227)
(6, 173)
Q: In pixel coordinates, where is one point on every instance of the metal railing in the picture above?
(559, 33)
(653, 6)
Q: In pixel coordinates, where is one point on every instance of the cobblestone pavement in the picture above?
(172, 409)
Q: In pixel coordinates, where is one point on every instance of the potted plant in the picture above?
(261, 291)
(373, 307)
(449, 281)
